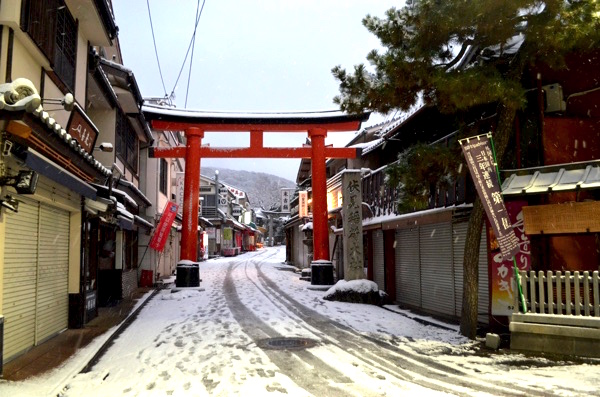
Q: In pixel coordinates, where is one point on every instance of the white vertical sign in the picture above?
(303, 203)
(180, 182)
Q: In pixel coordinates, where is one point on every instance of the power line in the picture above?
(155, 49)
(193, 47)
(192, 41)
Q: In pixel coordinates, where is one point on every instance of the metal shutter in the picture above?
(20, 273)
(484, 290)
(53, 271)
(437, 276)
(408, 268)
(36, 271)
(459, 232)
(378, 260)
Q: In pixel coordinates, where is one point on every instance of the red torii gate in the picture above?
(195, 123)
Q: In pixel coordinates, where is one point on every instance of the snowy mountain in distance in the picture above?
(262, 189)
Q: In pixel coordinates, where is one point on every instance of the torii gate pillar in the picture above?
(189, 229)
(319, 196)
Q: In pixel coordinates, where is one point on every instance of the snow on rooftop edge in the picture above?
(243, 114)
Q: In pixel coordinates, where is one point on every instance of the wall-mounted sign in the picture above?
(286, 197)
(82, 129)
(303, 203)
(236, 211)
(571, 217)
(180, 179)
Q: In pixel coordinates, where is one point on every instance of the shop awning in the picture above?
(49, 169)
(125, 218)
(139, 221)
(137, 195)
(556, 178)
(206, 221)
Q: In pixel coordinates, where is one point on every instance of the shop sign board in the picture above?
(81, 128)
(286, 198)
(570, 217)
(303, 204)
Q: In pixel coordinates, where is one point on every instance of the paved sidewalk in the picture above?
(54, 352)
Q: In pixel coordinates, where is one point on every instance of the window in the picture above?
(126, 142)
(54, 30)
(164, 173)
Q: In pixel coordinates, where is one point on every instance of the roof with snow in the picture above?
(168, 114)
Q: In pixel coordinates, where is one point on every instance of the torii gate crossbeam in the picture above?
(194, 124)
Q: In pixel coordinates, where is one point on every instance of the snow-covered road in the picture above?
(194, 343)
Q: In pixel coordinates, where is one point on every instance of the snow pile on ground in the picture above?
(355, 291)
(358, 286)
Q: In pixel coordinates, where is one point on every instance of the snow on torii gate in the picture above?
(195, 123)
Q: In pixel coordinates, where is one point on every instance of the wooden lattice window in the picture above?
(126, 142)
(54, 30)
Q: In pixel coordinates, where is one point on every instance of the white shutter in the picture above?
(53, 271)
(36, 271)
(20, 273)
(459, 232)
(408, 268)
(378, 260)
(437, 275)
(484, 290)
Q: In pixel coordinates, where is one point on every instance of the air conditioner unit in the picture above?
(553, 98)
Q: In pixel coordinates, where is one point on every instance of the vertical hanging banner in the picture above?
(159, 238)
(504, 289)
(481, 163)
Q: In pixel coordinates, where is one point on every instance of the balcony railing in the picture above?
(383, 199)
(569, 293)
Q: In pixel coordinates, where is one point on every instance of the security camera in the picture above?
(105, 147)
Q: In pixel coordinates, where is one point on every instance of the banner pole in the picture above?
(515, 269)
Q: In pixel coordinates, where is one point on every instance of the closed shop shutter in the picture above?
(35, 275)
(20, 273)
(378, 259)
(459, 232)
(437, 275)
(408, 268)
(484, 290)
(53, 270)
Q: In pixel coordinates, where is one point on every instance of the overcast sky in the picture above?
(257, 56)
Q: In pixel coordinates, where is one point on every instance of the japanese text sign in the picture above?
(303, 204)
(480, 160)
(81, 128)
(286, 198)
(352, 220)
(159, 238)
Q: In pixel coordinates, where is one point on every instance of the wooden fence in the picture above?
(569, 293)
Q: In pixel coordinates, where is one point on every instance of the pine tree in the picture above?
(458, 54)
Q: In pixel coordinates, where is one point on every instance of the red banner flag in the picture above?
(161, 233)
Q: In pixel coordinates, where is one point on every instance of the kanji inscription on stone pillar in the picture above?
(352, 220)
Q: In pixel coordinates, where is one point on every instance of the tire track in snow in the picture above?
(319, 383)
(397, 361)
